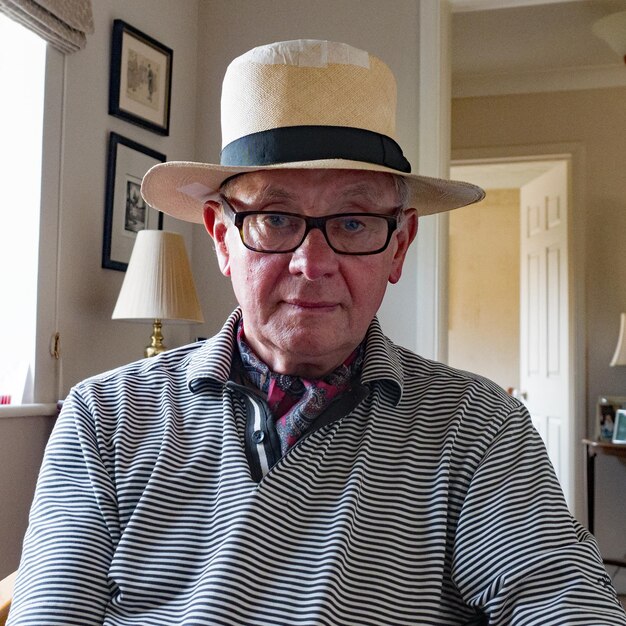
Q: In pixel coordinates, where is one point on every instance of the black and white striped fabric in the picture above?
(432, 502)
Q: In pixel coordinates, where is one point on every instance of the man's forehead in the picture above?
(289, 183)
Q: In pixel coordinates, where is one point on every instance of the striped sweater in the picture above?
(427, 500)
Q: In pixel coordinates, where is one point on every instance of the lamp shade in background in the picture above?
(619, 358)
(612, 30)
(158, 284)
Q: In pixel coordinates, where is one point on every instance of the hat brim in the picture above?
(181, 188)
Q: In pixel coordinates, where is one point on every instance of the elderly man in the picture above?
(298, 467)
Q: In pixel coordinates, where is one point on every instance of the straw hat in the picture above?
(304, 104)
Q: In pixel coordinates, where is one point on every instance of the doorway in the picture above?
(509, 312)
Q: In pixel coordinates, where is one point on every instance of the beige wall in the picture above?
(90, 341)
(22, 442)
(484, 288)
(594, 122)
(78, 294)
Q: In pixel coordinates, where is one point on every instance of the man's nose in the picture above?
(314, 258)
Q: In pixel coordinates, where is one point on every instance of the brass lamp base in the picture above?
(156, 341)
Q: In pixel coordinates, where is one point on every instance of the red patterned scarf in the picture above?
(296, 402)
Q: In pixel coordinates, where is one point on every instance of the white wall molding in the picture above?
(434, 159)
(47, 369)
(459, 6)
(562, 79)
(29, 410)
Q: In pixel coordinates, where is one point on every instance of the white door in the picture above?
(544, 316)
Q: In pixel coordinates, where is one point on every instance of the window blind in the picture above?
(64, 24)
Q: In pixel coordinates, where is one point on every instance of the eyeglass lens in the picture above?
(352, 234)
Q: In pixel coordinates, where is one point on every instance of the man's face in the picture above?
(305, 311)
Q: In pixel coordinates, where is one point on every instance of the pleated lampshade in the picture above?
(158, 284)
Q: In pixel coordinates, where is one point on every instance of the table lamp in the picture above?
(619, 358)
(158, 285)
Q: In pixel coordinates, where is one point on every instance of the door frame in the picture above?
(574, 153)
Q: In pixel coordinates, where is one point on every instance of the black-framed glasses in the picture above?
(345, 233)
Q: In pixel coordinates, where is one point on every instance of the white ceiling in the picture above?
(520, 46)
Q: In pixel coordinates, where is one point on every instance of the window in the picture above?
(22, 74)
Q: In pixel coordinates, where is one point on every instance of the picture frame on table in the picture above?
(606, 412)
(619, 430)
(140, 84)
(125, 211)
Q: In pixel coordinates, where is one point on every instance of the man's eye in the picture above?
(275, 221)
(352, 225)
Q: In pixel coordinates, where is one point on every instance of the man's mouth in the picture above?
(311, 304)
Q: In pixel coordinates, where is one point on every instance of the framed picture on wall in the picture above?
(140, 84)
(606, 413)
(125, 211)
(619, 430)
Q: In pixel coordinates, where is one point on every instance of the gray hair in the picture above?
(400, 183)
(403, 190)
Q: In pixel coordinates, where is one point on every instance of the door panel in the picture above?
(544, 315)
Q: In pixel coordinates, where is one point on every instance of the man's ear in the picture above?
(218, 228)
(406, 235)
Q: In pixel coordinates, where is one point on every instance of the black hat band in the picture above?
(312, 143)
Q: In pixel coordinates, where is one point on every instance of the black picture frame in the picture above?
(140, 84)
(125, 211)
(606, 410)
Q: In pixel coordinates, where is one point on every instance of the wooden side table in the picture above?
(593, 448)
